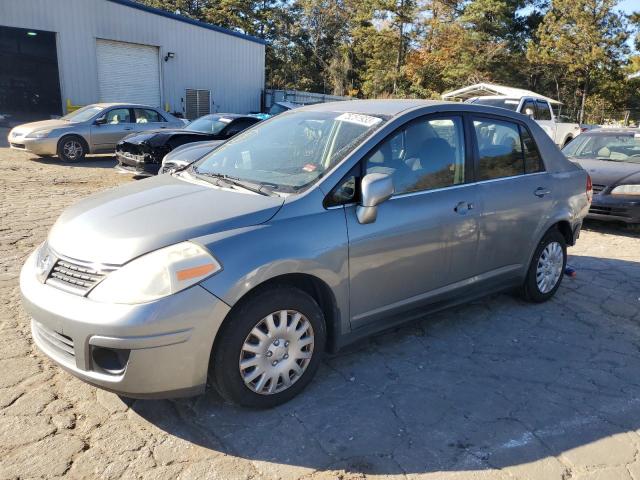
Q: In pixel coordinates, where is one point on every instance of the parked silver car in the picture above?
(95, 128)
(302, 234)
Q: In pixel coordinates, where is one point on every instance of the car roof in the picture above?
(375, 107)
(122, 104)
(616, 131)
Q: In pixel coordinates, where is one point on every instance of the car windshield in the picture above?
(290, 151)
(212, 124)
(83, 114)
(617, 147)
(507, 103)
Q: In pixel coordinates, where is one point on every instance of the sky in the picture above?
(629, 6)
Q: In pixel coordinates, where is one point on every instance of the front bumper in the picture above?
(615, 208)
(38, 146)
(166, 343)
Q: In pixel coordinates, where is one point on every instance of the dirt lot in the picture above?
(497, 389)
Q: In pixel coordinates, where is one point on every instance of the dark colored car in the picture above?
(142, 153)
(187, 154)
(612, 158)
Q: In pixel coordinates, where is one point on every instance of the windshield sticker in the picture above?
(225, 120)
(360, 119)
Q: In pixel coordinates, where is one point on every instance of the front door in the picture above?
(515, 193)
(119, 123)
(425, 237)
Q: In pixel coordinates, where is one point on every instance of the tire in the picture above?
(72, 148)
(241, 384)
(546, 264)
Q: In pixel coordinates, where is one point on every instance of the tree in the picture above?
(582, 37)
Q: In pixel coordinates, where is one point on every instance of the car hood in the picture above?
(118, 225)
(26, 128)
(607, 172)
(159, 136)
(191, 152)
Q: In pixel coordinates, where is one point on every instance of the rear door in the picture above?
(425, 237)
(515, 194)
(119, 123)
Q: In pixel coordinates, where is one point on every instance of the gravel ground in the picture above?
(498, 389)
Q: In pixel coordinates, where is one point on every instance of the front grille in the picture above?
(598, 188)
(74, 277)
(56, 341)
(600, 210)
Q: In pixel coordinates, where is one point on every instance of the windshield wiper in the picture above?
(252, 187)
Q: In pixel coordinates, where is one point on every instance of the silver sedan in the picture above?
(95, 128)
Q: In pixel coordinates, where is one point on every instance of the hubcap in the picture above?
(276, 352)
(549, 267)
(72, 149)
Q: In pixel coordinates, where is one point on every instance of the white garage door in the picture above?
(128, 72)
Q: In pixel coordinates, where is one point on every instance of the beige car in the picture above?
(96, 128)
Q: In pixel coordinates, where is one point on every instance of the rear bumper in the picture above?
(163, 346)
(615, 208)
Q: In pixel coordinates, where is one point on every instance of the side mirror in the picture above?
(529, 112)
(375, 188)
(101, 121)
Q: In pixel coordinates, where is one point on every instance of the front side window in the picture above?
(529, 106)
(499, 149)
(144, 115)
(426, 154)
(291, 151)
(118, 115)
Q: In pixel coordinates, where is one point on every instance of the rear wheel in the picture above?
(269, 348)
(72, 149)
(547, 267)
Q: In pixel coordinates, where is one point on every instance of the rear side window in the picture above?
(532, 160)
(543, 112)
(499, 148)
(144, 115)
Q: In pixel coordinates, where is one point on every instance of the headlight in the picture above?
(626, 190)
(38, 134)
(157, 274)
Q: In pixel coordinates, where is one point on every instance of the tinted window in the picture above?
(144, 115)
(532, 161)
(508, 103)
(499, 148)
(240, 125)
(529, 104)
(428, 153)
(543, 112)
(118, 115)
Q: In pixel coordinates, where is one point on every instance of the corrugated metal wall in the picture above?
(231, 67)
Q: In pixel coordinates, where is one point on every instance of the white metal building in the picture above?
(59, 52)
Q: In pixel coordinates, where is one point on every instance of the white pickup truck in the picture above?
(537, 108)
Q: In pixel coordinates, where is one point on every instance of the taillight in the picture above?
(589, 188)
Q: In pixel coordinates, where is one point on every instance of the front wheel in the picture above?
(269, 348)
(72, 149)
(547, 266)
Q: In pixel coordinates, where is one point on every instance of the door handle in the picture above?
(128, 128)
(463, 207)
(541, 192)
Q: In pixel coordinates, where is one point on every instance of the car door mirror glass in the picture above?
(375, 189)
(101, 120)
